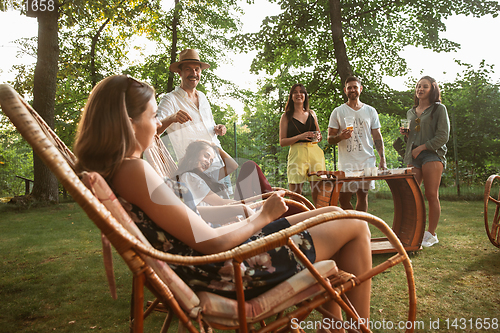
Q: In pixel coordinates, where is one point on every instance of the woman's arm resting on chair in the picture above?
(224, 214)
(229, 164)
(139, 184)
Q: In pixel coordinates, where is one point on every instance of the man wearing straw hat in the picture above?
(185, 112)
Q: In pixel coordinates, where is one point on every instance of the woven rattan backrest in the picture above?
(66, 153)
(43, 141)
(160, 159)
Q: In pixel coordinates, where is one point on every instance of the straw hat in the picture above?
(188, 56)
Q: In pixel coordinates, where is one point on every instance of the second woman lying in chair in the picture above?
(204, 186)
(119, 123)
(205, 191)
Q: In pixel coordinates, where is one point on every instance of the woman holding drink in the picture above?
(299, 129)
(426, 147)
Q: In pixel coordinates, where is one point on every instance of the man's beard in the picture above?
(353, 96)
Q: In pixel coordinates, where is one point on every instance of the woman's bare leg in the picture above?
(431, 172)
(345, 200)
(362, 200)
(348, 243)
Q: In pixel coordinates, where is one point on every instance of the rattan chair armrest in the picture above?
(269, 242)
(296, 196)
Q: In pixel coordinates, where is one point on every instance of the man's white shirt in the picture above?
(201, 127)
(356, 153)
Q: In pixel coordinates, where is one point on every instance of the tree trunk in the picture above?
(95, 39)
(343, 66)
(45, 186)
(173, 49)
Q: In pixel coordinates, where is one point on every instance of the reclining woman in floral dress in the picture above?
(119, 123)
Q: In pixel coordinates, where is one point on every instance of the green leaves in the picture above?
(473, 101)
(374, 32)
(101, 38)
(16, 158)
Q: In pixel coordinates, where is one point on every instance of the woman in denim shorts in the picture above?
(426, 147)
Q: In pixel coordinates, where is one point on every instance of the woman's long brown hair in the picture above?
(105, 135)
(289, 107)
(435, 95)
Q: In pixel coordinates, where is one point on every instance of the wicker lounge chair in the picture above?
(492, 230)
(306, 291)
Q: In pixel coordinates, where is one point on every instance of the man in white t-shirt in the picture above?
(356, 144)
(186, 113)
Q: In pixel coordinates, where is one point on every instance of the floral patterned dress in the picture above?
(260, 273)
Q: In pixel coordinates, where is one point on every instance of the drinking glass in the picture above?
(349, 123)
(405, 126)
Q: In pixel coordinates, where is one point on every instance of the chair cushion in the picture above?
(301, 286)
(182, 292)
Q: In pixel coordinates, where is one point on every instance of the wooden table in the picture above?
(409, 206)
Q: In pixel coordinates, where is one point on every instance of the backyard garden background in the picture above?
(317, 43)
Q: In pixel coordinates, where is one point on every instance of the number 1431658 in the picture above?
(41, 5)
(472, 324)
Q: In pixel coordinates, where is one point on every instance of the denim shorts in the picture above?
(424, 157)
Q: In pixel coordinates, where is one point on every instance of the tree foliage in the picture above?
(85, 40)
(301, 44)
(473, 103)
(16, 159)
(96, 39)
(374, 32)
(206, 26)
(300, 40)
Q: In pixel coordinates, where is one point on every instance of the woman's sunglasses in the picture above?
(417, 128)
(133, 81)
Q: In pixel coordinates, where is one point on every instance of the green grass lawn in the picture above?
(457, 278)
(52, 277)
